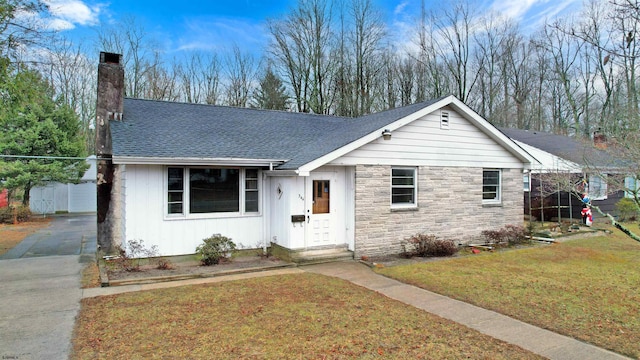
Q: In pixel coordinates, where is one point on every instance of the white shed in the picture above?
(73, 198)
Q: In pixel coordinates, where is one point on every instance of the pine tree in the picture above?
(272, 93)
(41, 132)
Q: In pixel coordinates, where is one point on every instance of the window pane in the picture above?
(175, 186)
(214, 190)
(251, 201)
(175, 197)
(251, 184)
(176, 179)
(402, 172)
(402, 196)
(175, 208)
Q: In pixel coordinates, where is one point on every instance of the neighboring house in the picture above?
(566, 155)
(4, 198)
(55, 197)
(182, 172)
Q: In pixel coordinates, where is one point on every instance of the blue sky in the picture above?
(201, 24)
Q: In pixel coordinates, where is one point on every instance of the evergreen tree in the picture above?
(272, 94)
(41, 132)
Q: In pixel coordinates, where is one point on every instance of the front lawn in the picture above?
(587, 288)
(303, 316)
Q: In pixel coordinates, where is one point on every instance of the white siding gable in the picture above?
(548, 161)
(424, 142)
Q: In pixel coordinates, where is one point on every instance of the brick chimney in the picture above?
(599, 139)
(109, 107)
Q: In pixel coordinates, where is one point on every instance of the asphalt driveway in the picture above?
(40, 288)
(65, 235)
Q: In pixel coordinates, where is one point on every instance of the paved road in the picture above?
(40, 289)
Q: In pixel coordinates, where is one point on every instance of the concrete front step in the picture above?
(313, 255)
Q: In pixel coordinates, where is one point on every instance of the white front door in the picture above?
(320, 210)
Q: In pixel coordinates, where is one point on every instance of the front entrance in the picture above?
(320, 211)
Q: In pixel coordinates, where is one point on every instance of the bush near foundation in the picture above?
(215, 248)
(508, 235)
(424, 245)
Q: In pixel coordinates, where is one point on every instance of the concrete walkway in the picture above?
(534, 339)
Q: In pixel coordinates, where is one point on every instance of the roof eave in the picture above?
(126, 160)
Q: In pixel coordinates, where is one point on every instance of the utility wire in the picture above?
(48, 157)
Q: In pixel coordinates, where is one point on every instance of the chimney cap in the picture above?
(110, 58)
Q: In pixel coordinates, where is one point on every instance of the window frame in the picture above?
(602, 190)
(526, 181)
(414, 186)
(186, 194)
(498, 198)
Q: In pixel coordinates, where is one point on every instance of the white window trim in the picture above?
(527, 187)
(415, 188)
(217, 215)
(498, 199)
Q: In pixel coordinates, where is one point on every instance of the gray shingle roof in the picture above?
(572, 149)
(160, 129)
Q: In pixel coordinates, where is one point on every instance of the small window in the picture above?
(491, 186)
(597, 187)
(175, 191)
(403, 187)
(631, 186)
(444, 120)
(526, 182)
(251, 201)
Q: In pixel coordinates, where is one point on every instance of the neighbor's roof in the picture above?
(569, 148)
(170, 130)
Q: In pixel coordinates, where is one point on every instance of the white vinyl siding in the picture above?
(147, 219)
(423, 143)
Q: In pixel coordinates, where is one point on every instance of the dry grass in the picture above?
(90, 276)
(12, 235)
(588, 288)
(304, 316)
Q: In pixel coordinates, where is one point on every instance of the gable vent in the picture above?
(444, 120)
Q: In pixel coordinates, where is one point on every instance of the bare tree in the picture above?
(241, 69)
(302, 45)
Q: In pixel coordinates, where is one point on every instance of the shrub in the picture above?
(215, 248)
(627, 209)
(23, 213)
(164, 264)
(131, 260)
(424, 245)
(510, 234)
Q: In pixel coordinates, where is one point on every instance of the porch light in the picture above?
(386, 134)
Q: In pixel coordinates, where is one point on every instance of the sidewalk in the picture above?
(534, 339)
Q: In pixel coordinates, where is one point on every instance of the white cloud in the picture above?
(206, 33)
(400, 8)
(60, 25)
(74, 12)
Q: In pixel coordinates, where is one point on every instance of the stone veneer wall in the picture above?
(449, 206)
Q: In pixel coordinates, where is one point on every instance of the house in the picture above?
(172, 174)
(55, 197)
(592, 169)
